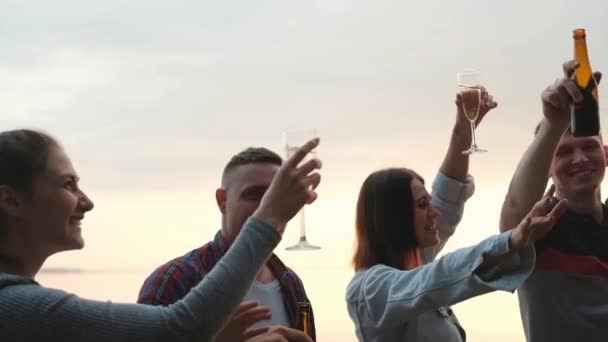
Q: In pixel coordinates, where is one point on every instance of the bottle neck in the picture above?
(580, 51)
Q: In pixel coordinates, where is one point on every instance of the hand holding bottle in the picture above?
(573, 99)
(560, 95)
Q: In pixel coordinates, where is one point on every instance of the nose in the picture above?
(434, 212)
(579, 156)
(85, 203)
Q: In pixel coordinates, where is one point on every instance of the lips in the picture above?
(75, 220)
(431, 227)
(581, 172)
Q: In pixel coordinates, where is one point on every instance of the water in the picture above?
(492, 317)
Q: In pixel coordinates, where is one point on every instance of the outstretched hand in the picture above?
(291, 188)
(539, 221)
(248, 313)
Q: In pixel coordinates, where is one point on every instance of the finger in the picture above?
(598, 77)
(569, 67)
(554, 95)
(526, 230)
(293, 335)
(249, 311)
(255, 332)
(312, 180)
(572, 89)
(541, 226)
(309, 166)
(312, 197)
(246, 305)
(301, 153)
(550, 192)
(458, 102)
(256, 316)
(559, 209)
(541, 208)
(253, 314)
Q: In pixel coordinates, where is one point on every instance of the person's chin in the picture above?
(75, 241)
(431, 242)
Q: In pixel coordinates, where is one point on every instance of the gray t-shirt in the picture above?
(30, 312)
(566, 297)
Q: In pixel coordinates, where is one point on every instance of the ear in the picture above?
(606, 154)
(220, 199)
(10, 201)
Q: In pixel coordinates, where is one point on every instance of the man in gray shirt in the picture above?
(566, 297)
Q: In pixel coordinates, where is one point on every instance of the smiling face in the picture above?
(425, 216)
(579, 166)
(52, 212)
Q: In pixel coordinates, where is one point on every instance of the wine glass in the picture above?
(469, 82)
(293, 140)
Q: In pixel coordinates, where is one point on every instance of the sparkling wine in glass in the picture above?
(470, 92)
(293, 140)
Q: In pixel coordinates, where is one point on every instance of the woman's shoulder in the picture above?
(364, 278)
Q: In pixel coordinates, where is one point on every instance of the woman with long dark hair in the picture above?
(399, 291)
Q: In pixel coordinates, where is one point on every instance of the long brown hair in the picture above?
(384, 224)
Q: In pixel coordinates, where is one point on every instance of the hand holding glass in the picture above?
(292, 141)
(470, 92)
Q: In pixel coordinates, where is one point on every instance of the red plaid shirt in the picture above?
(172, 281)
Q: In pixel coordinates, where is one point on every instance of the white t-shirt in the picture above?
(269, 295)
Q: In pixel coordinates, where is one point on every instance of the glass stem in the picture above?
(473, 142)
(302, 225)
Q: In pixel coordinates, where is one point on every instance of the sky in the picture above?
(151, 99)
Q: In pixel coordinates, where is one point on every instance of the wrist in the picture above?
(461, 134)
(267, 217)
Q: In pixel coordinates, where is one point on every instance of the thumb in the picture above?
(525, 231)
(598, 77)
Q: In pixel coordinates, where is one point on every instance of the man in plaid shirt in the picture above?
(244, 181)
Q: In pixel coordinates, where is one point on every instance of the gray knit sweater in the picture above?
(30, 312)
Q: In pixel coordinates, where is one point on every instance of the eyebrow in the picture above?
(255, 188)
(71, 177)
(426, 196)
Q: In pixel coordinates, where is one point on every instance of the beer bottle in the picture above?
(302, 321)
(584, 118)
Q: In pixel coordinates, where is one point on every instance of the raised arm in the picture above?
(453, 185)
(530, 178)
(456, 164)
(36, 313)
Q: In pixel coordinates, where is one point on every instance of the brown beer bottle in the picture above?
(584, 118)
(302, 322)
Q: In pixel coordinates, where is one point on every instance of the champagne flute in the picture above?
(470, 93)
(292, 140)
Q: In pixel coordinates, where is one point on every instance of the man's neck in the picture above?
(586, 203)
(264, 276)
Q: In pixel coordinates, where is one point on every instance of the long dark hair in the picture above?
(384, 224)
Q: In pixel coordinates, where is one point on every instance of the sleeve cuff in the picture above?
(513, 271)
(452, 191)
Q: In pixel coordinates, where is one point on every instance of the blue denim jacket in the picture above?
(387, 304)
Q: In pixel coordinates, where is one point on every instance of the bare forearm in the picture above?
(455, 164)
(530, 178)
